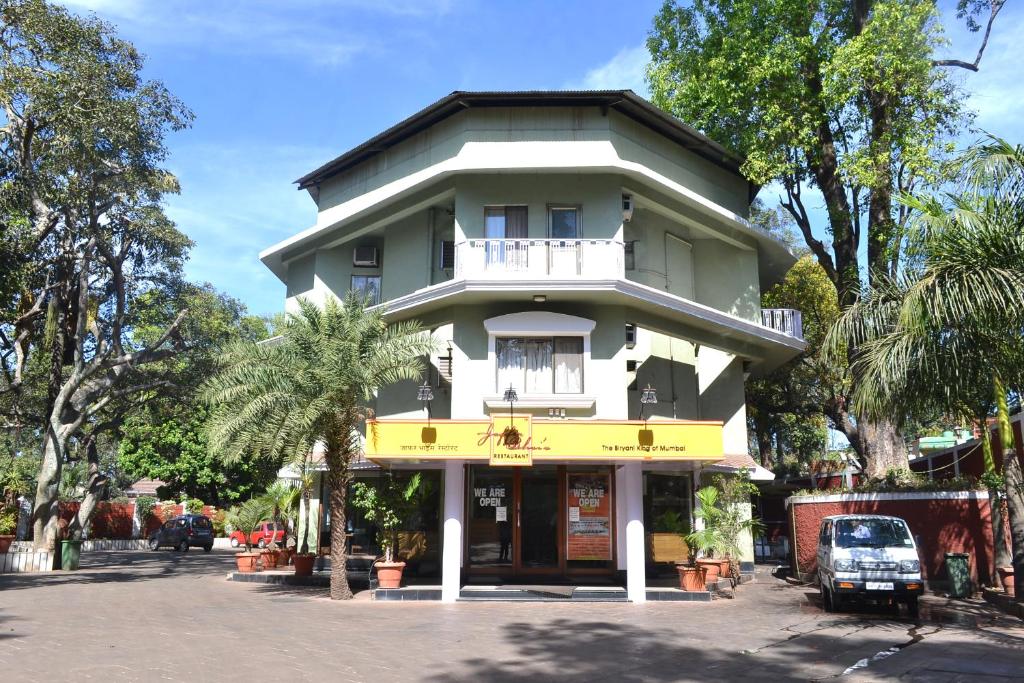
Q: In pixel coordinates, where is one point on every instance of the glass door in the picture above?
(491, 518)
(538, 514)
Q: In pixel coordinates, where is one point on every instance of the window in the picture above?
(368, 288)
(563, 222)
(877, 533)
(540, 365)
(201, 523)
(505, 223)
(629, 254)
(446, 257)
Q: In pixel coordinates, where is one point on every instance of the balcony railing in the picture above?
(589, 259)
(785, 320)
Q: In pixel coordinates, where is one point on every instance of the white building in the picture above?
(579, 248)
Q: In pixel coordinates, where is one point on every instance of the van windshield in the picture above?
(872, 533)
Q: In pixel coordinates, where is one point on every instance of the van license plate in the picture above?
(879, 585)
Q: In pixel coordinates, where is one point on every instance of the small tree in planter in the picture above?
(246, 517)
(387, 503)
(723, 509)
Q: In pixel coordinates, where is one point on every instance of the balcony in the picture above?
(586, 259)
(788, 321)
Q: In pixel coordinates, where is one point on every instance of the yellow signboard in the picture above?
(539, 440)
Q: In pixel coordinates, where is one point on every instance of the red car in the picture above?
(260, 537)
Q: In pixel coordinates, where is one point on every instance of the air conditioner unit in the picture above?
(627, 208)
(366, 257)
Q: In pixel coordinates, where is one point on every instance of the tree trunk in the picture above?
(1015, 505)
(882, 448)
(304, 546)
(46, 506)
(338, 477)
(764, 448)
(995, 500)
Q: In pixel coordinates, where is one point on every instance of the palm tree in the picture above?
(310, 386)
(946, 333)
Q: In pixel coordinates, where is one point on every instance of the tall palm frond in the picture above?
(278, 400)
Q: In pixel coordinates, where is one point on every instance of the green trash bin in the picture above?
(70, 554)
(958, 567)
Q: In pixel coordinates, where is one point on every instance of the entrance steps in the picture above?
(512, 593)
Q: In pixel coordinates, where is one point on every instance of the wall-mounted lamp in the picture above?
(511, 435)
(648, 395)
(425, 394)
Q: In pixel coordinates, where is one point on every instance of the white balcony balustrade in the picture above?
(528, 259)
(788, 321)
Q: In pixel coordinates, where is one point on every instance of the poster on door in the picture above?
(590, 533)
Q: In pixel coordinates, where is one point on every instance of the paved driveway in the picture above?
(171, 616)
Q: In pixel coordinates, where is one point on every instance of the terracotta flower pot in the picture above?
(269, 558)
(5, 542)
(285, 556)
(712, 567)
(389, 574)
(246, 562)
(304, 564)
(724, 569)
(692, 578)
(1006, 578)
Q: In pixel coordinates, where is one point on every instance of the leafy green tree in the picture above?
(310, 387)
(843, 97)
(82, 149)
(946, 332)
(247, 516)
(785, 409)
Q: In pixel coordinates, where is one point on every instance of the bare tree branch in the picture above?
(973, 66)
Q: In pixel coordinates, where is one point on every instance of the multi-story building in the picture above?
(585, 265)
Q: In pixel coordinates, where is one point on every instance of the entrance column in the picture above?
(636, 581)
(451, 553)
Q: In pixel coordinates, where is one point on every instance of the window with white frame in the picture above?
(367, 287)
(540, 365)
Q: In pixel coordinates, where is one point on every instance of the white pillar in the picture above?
(636, 582)
(620, 520)
(451, 554)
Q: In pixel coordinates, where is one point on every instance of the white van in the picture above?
(870, 557)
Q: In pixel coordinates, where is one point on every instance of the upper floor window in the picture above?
(540, 365)
(368, 288)
(563, 222)
(505, 223)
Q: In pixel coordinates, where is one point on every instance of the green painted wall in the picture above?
(599, 197)
(725, 277)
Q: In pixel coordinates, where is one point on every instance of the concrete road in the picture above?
(138, 616)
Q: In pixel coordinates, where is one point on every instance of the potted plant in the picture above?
(692, 577)
(8, 524)
(724, 510)
(387, 503)
(246, 517)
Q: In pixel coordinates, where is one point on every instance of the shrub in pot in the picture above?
(8, 524)
(725, 511)
(247, 517)
(692, 577)
(388, 503)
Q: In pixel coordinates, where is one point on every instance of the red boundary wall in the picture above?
(940, 522)
(114, 520)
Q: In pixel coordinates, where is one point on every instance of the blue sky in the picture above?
(278, 88)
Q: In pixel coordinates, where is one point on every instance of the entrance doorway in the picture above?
(520, 521)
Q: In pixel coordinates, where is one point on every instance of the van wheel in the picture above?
(262, 544)
(183, 546)
(234, 542)
(826, 598)
(154, 544)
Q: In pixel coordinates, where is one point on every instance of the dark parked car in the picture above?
(184, 532)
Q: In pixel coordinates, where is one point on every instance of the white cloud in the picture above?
(624, 70)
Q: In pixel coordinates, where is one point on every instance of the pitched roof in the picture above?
(625, 102)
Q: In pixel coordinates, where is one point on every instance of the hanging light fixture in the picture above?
(511, 434)
(425, 394)
(648, 395)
